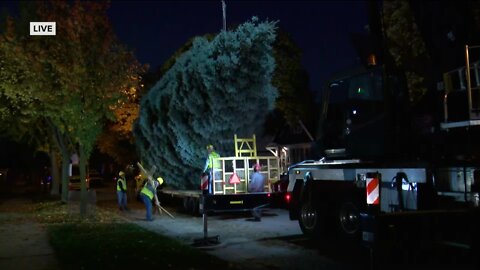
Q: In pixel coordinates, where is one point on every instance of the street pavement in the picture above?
(274, 243)
(23, 242)
(244, 243)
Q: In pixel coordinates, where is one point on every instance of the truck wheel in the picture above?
(349, 220)
(311, 219)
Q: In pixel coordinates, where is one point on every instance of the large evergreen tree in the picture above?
(214, 90)
(295, 100)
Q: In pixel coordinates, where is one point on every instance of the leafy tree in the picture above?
(117, 139)
(96, 71)
(20, 115)
(214, 90)
(295, 100)
(406, 45)
(75, 80)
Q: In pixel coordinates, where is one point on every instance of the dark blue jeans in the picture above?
(122, 200)
(218, 176)
(148, 206)
(257, 211)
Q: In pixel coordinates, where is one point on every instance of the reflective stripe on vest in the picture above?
(124, 183)
(147, 192)
(213, 161)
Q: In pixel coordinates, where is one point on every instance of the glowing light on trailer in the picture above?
(288, 197)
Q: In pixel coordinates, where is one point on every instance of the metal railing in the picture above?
(242, 167)
(460, 79)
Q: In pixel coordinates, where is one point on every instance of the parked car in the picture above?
(74, 179)
(95, 178)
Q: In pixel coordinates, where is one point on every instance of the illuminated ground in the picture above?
(23, 242)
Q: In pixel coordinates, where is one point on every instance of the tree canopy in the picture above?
(214, 90)
(295, 100)
(406, 46)
(117, 139)
(72, 82)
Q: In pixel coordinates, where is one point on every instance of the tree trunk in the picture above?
(61, 142)
(54, 173)
(65, 165)
(83, 183)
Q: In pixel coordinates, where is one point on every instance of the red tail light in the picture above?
(269, 195)
(288, 197)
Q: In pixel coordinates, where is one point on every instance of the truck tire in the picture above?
(348, 218)
(312, 219)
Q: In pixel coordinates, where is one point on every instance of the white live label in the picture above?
(43, 29)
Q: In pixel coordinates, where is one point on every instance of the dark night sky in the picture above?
(155, 29)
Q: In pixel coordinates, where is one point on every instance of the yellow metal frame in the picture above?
(245, 147)
(242, 166)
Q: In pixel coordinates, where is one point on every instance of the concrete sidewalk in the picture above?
(23, 242)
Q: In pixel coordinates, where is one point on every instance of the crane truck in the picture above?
(382, 180)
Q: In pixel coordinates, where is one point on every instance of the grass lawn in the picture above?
(104, 241)
(118, 246)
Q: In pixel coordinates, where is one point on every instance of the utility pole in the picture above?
(224, 10)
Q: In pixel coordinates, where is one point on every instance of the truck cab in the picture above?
(354, 118)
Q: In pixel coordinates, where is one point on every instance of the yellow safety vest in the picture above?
(147, 191)
(124, 183)
(213, 161)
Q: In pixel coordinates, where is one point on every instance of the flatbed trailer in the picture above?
(220, 203)
(229, 196)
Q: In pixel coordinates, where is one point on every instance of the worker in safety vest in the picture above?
(122, 191)
(212, 167)
(149, 195)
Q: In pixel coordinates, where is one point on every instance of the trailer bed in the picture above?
(218, 203)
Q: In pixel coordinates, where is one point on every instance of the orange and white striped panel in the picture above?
(373, 190)
(204, 182)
